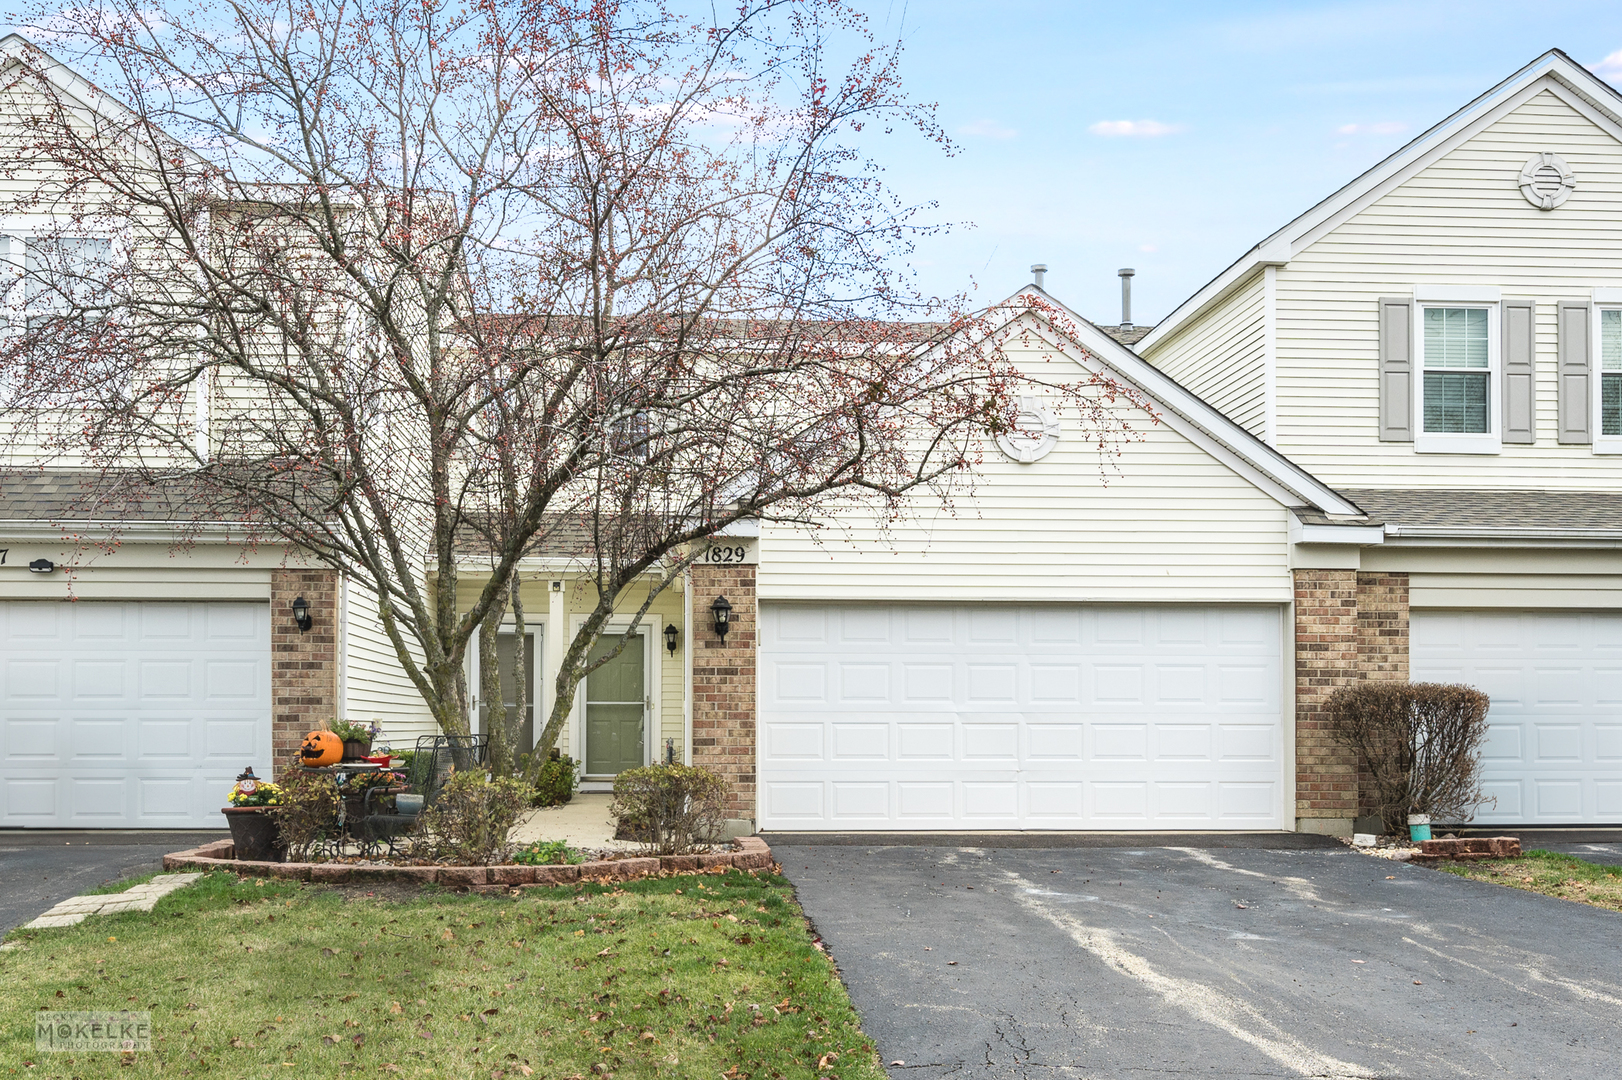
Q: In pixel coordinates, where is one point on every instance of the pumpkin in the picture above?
(321, 748)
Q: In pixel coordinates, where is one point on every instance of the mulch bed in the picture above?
(751, 853)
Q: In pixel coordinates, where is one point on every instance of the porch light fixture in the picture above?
(671, 634)
(723, 616)
(301, 614)
(41, 566)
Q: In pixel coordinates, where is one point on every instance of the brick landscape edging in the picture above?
(1467, 849)
(751, 854)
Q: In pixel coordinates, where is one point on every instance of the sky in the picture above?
(1171, 137)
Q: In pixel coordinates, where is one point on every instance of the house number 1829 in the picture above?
(727, 555)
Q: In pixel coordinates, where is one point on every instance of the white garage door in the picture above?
(130, 715)
(1553, 754)
(1039, 717)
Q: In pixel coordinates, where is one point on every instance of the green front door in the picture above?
(614, 708)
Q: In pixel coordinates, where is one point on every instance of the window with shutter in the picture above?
(1458, 359)
(1608, 429)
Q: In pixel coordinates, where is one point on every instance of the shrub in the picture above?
(670, 809)
(1421, 743)
(469, 822)
(547, 853)
(555, 780)
(308, 812)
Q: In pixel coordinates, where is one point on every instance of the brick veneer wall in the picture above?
(1326, 658)
(303, 667)
(1382, 650)
(724, 683)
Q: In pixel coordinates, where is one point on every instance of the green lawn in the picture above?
(697, 976)
(1551, 874)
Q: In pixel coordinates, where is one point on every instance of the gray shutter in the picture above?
(1396, 369)
(1573, 370)
(1520, 376)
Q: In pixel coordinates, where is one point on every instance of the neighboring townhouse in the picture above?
(1393, 416)
(1441, 341)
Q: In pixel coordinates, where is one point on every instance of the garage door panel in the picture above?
(1009, 717)
(130, 714)
(1553, 750)
(33, 741)
(30, 800)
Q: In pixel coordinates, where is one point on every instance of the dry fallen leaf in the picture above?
(330, 1040)
(394, 1007)
(329, 952)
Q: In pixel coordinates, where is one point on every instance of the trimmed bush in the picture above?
(469, 821)
(669, 809)
(1421, 743)
(555, 781)
(308, 813)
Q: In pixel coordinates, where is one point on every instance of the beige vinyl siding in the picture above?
(1461, 221)
(1221, 355)
(1162, 521)
(376, 686)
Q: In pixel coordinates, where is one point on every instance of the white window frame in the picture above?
(16, 239)
(1459, 442)
(1600, 442)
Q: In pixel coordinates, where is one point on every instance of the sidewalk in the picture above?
(582, 823)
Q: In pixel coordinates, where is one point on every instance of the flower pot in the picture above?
(1419, 827)
(254, 833)
(357, 749)
(410, 805)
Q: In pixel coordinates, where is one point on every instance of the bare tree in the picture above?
(418, 286)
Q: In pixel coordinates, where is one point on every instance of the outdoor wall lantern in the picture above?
(301, 614)
(41, 566)
(723, 616)
(670, 637)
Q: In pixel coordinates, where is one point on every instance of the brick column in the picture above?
(1382, 653)
(303, 666)
(724, 685)
(1326, 658)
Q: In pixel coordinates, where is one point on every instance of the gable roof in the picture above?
(1181, 409)
(75, 88)
(1554, 71)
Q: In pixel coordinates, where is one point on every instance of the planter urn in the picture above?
(254, 834)
(357, 749)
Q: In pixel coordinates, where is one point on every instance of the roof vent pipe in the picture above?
(1126, 296)
(1038, 271)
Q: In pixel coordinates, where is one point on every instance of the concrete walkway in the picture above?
(136, 898)
(582, 822)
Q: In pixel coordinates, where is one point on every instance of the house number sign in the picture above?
(729, 551)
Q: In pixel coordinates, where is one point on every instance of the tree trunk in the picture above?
(515, 720)
(500, 744)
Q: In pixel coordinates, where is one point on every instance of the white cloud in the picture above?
(1609, 68)
(1141, 129)
(1383, 127)
(987, 129)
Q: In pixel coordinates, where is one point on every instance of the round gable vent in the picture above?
(1547, 181)
(1036, 432)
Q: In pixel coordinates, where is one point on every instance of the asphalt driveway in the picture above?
(1212, 963)
(38, 869)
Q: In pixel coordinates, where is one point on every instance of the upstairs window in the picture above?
(1457, 346)
(65, 272)
(1610, 371)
